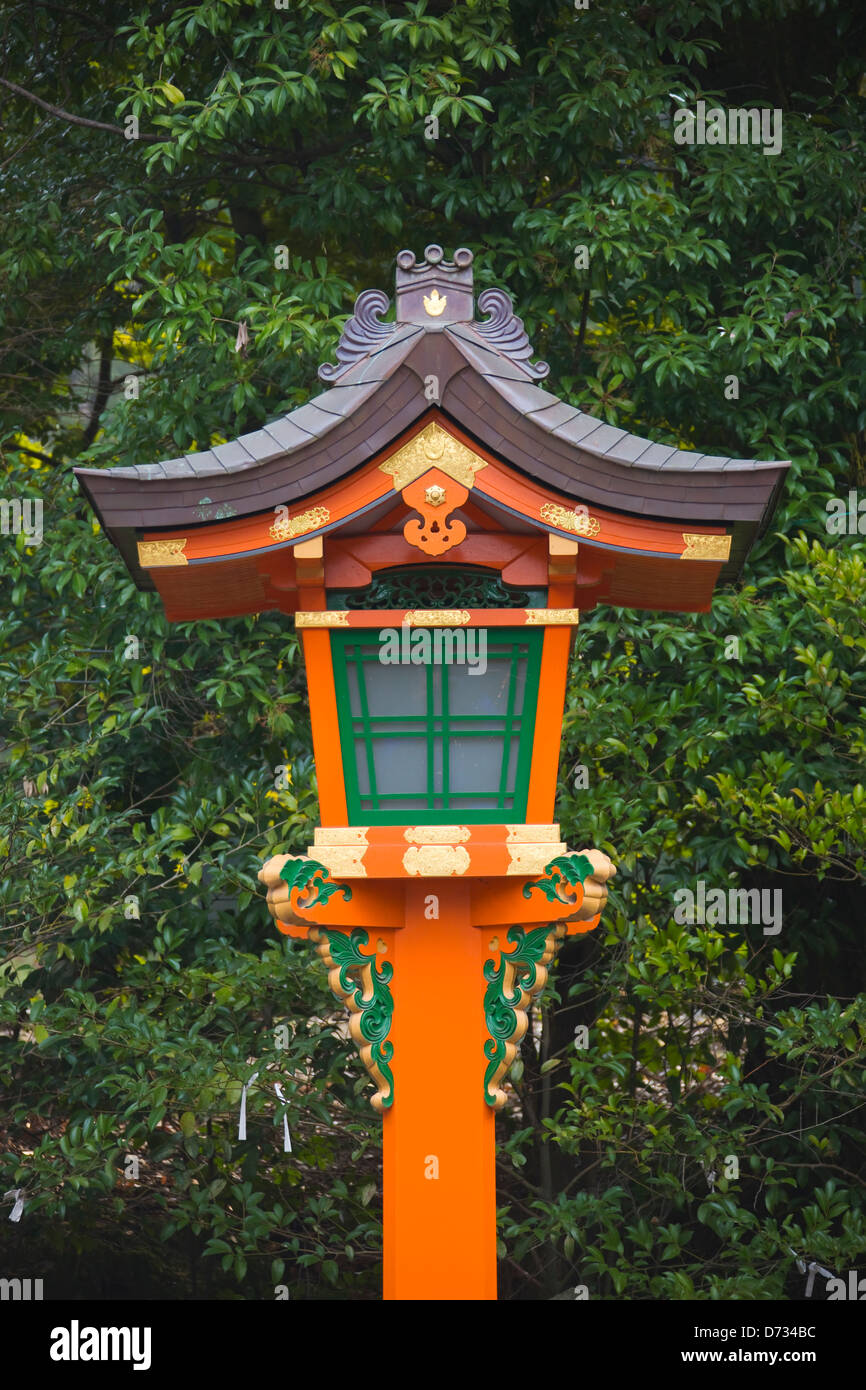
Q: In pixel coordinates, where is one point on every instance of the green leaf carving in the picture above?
(565, 869)
(521, 974)
(308, 874)
(364, 988)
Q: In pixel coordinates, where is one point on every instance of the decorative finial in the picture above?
(434, 288)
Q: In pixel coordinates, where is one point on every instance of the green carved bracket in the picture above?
(312, 878)
(356, 980)
(566, 869)
(512, 985)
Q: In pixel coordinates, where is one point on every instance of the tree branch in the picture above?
(67, 115)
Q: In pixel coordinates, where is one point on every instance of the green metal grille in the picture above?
(429, 744)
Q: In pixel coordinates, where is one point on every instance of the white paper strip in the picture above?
(287, 1138)
(18, 1209)
(242, 1122)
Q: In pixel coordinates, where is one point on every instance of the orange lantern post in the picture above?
(434, 521)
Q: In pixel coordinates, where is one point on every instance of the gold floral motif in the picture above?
(699, 547)
(328, 617)
(432, 447)
(435, 495)
(580, 522)
(436, 617)
(287, 527)
(552, 617)
(156, 554)
(436, 834)
(436, 861)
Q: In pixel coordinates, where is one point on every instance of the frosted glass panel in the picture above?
(486, 693)
(395, 689)
(476, 764)
(401, 765)
(437, 741)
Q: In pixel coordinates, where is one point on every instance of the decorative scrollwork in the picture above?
(363, 987)
(443, 587)
(313, 880)
(505, 332)
(560, 876)
(362, 332)
(511, 987)
(591, 868)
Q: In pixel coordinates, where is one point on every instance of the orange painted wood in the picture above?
(497, 481)
(325, 726)
(548, 725)
(372, 905)
(346, 558)
(439, 1232)
(474, 851)
(499, 902)
(262, 574)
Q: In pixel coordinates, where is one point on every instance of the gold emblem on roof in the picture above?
(436, 834)
(433, 447)
(434, 303)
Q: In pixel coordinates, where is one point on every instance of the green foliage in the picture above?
(141, 986)
(284, 156)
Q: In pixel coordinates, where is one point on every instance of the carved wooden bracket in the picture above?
(435, 496)
(512, 984)
(364, 988)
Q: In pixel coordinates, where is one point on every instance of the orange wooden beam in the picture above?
(439, 1162)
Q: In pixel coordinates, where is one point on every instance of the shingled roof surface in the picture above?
(487, 384)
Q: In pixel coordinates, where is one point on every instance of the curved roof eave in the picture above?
(485, 383)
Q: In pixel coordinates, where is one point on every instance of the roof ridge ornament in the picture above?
(434, 292)
(361, 333)
(505, 332)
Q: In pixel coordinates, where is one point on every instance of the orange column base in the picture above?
(439, 1138)
(437, 933)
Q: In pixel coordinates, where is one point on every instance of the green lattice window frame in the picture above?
(361, 731)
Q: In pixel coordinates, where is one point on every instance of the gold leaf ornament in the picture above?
(434, 303)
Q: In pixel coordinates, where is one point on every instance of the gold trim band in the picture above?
(552, 617)
(157, 554)
(328, 617)
(700, 547)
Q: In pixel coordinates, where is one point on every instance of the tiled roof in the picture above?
(486, 382)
